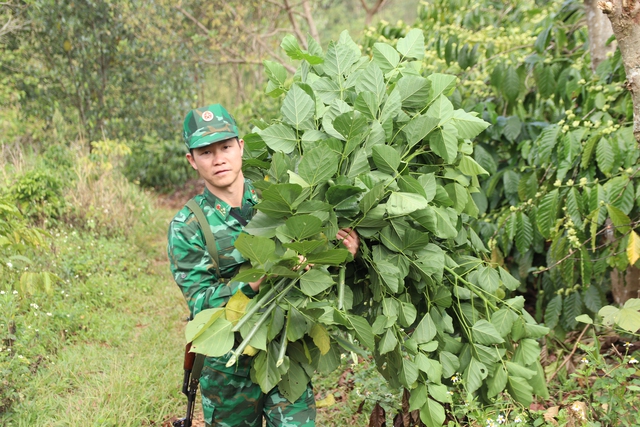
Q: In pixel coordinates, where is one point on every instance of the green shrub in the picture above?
(39, 195)
(158, 164)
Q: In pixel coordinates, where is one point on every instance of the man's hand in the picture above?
(350, 240)
(256, 285)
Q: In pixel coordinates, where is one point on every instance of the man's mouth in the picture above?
(221, 172)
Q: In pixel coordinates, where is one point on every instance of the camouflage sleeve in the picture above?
(194, 272)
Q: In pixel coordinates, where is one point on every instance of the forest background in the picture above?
(92, 97)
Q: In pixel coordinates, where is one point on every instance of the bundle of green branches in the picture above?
(372, 144)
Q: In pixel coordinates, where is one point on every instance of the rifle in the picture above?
(192, 369)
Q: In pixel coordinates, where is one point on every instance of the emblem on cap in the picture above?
(207, 116)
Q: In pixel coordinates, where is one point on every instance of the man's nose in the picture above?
(218, 158)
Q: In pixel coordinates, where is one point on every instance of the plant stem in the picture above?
(274, 303)
(258, 305)
(341, 274)
(569, 356)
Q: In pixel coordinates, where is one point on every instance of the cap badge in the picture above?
(207, 116)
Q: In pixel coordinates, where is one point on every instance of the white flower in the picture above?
(49, 314)
(2, 292)
(36, 306)
(501, 419)
(584, 360)
(15, 292)
(9, 265)
(627, 344)
(633, 361)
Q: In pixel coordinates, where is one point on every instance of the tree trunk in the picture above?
(625, 284)
(600, 31)
(625, 20)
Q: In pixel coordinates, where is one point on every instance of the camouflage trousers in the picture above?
(230, 400)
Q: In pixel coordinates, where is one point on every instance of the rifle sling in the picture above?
(209, 239)
(238, 217)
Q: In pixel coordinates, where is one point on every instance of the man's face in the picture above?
(220, 164)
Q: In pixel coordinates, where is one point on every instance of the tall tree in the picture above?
(114, 65)
(625, 20)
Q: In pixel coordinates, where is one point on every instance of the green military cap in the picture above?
(206, 125)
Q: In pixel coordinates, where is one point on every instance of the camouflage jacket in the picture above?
(193, 269)
(191, 264)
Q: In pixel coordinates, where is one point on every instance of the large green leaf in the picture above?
(619, 219)
(432, 413)
(315, 281)
(419, 127)
(201, 322)
(371, 80)
(425, 331)
(264, 371)
(450, 363)
(275, 71)
(318, 165)
(292, 48)
(441, 84)
(430, 260)
(408, 373)
(338, 60)
(216, 340)
(303, 226)
(414, 91)
(326, 89)
(305, 247)
(444, 142)
(605, 156)
(412, 45)
(367, 104)
(547, 213)
(280, 137)
(386, 158)
(520, 390)
(468, 125)
(330, 257)
(475, 374)
(388, 342)
(524, 232)
(351, 126)
(485, 333)
(401, 203)
(385, 56)
(511, 84)
(546, 142)
(298, 109)
(362, 329)
(294, 382)
(258, 249)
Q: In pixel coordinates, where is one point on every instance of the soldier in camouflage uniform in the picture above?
(229, 397)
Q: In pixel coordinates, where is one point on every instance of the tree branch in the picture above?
(296, 29)
(310, 21)
(193, 19)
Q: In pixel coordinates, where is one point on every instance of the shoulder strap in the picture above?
(209, 239)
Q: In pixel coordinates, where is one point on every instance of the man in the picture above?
(229, 397)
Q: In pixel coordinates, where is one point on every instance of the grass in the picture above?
(122, 366)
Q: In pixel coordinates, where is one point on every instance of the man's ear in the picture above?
(192, 162)
(241, 144)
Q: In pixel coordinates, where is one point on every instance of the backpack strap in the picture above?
(209, 239)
